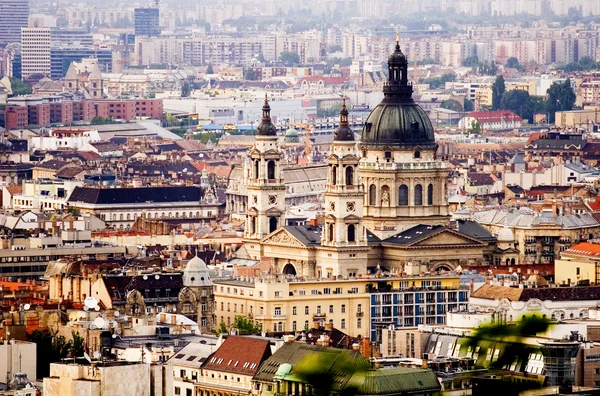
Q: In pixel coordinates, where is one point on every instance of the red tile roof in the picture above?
(494, 116)
(241, 355)
(585, 249)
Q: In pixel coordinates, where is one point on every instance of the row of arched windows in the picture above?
(350, 232)
(403, 195)
(349, 173)
(270, 169)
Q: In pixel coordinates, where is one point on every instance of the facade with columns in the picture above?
(386, 205)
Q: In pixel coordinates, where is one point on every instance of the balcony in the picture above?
(360, 314)
(319, 316)
(279, 316)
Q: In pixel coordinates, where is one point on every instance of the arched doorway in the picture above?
(271, 170)
(289, 269)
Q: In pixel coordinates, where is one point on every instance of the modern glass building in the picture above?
(146, 21)
(61, 58)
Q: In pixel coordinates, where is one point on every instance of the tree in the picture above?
(498, 89)
(468, 105)
(475, 127)
(439, 82)
(209, 69)
(249, 74)
(19, 87)
(452, 104)
(78, 345)
(514, 100)
(222, 328)
(51, 348)
(170, 119)
(560, 98)
(487, 68)
(512, 63)
(186, 88)
(246, 326)
(470, 61)
(335, 48)
(289, 58)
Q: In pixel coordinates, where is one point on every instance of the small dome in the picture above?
(266, 127)
(291, 132)
(344, 133)
(196, 264)
(506, 235)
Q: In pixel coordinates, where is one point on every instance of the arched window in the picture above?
(349, 176)
(331, 232)
(430, 194)
(252, 225)
(351, 233)
(343, 326)
(512, 261)
(418, 195)
(403, 195)
(128, 216)
(334, 175)
(256, 167)
(271, 170)
(121, 216)
(272, 224)
(372, 194)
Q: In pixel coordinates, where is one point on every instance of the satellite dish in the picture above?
(26, 307)
(137, 330)
(117, 313)
(93, 327)
(114, 336)
(157, 277)
(119, 331)
(174, 309)
(97, 308)
(99, 322)
(87, 357)
(97, 355)
(145, 277)
(86, 309)
(90, 302)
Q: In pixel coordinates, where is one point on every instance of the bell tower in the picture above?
(266, 189)
(343, 238)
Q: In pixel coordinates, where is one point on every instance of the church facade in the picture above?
(386, 206)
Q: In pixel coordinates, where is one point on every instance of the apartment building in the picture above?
(357, 307)
(35, 51)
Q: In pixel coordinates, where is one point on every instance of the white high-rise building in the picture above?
(35, 51)
(14, 15)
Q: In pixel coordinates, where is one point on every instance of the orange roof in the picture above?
(585, 249)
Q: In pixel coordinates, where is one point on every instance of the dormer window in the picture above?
(417, 154)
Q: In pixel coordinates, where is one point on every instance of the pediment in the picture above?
(447, 238)
(273, 212)
(281, 237)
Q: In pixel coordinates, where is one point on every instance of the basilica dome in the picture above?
(398, 120)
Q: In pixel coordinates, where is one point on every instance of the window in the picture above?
(349, 175)
(417, 154)
(293, 310)
(277, 294)
(343, 308)
(334, 175)
(318, 309)
(372, 194)
(430, 194)
(306, 310)
(177, 390)
(306, 325)
(271, 170)
(188, 392)
(359, 308)
(359, 323)
(260, 294)
(418, 195)
(343, 325)
(277, 311)
(351, 233)
(331, 309)
(327, 290)
(294, 325)
(403, 195)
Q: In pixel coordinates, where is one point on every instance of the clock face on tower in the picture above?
(350, 206)
(272, 199)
